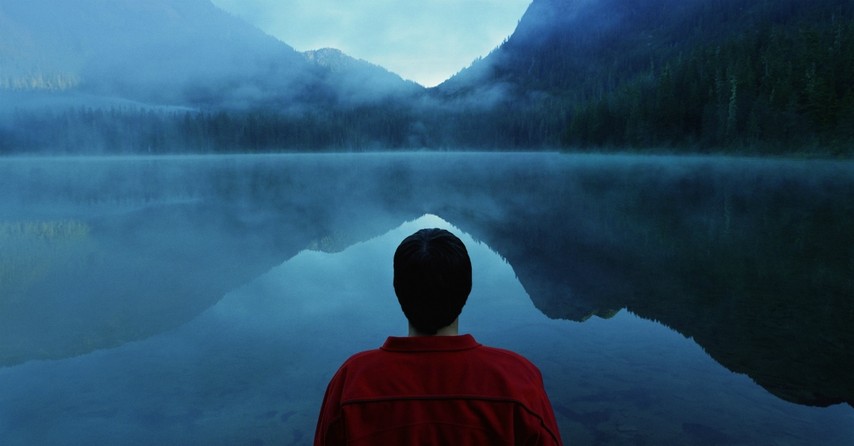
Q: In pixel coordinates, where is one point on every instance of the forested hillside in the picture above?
(172, 76)
(771, 76)
(773, 87)
(683, 76)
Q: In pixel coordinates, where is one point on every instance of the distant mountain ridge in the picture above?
(358, 81)
(760, 77)
(185, 52)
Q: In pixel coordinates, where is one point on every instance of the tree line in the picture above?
(392, 125)
(129, 130)
(771, 90)
(768, 77)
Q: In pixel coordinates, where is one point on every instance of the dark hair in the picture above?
(432, 278)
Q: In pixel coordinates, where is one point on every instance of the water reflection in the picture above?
(753, 260)
(749, 261)
(251, 369)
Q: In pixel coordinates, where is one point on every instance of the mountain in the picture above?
(684, 76)
(358, 81)
(575, 45)
(176, 52)
(681, 74)
(163, 51)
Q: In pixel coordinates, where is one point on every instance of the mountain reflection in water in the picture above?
(750, 259)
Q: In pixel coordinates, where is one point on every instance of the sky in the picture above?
(426, 41)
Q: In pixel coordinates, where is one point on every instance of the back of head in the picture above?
(432, 278)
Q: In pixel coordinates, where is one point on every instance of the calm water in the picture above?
(209, 300)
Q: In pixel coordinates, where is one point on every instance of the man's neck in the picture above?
(450, 330)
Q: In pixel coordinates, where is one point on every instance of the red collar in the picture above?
(430, 343)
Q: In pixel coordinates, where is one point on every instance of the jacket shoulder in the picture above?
(509, 357)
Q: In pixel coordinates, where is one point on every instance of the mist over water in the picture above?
(209, 299)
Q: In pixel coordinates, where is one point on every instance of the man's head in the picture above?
(432, 278)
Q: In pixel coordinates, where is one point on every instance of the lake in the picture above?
(208, 300)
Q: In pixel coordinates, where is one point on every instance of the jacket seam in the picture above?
(527, 409)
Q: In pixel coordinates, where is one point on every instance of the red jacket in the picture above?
(436, 390)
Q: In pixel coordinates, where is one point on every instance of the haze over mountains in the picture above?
(165, 52)
(697, 75)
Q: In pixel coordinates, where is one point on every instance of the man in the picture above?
(435, 387)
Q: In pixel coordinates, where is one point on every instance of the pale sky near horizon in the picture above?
(426, 41)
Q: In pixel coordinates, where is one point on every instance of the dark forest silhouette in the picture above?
(766, 77)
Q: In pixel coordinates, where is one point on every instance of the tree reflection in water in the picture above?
(750, 259)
